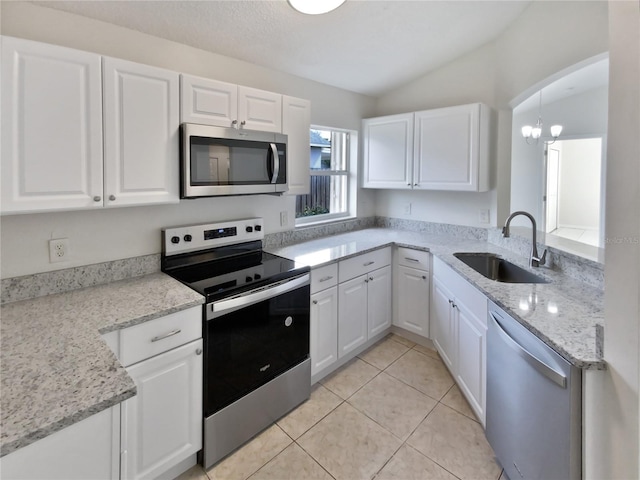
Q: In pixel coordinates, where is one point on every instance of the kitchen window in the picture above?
(332, 177)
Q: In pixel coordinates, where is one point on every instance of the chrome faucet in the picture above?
(534, 259)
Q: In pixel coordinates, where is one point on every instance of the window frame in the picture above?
(351, 175)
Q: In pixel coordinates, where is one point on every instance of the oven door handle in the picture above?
(228, 305)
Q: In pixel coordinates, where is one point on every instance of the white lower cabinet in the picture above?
(85, 450)
(161, 427)
(459, 327)
(364, 302)
(412, 290)
(324, 329)
(162, 424)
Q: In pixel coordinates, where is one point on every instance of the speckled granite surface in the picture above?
(56, 369)
(563, 313)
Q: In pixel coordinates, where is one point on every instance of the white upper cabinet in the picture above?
(296, 122)
(51, 128)
(259, 110)
(208, 102)
(441, 149)
(388, 151)
(141, 120)
(451, 148)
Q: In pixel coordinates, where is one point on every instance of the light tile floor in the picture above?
(392, 413)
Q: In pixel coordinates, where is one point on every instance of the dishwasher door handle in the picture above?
(535, 362)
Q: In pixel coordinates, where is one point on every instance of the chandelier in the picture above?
(534, 132)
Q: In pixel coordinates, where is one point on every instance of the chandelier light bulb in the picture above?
(526, 131)
(536, 132)
(556, 130)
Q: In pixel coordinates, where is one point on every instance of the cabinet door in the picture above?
(388, 151)
(379, 301)
(141, 120)
(324, 329)
(471, 359)
(352, 315)
(413, 300)
(208, 102)
(162, 424)
(446, 148)
(89, 448)
(259, 110)
(51, 128)
(296, 121)
(443, 323)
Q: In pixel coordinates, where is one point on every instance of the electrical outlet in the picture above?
(407, 208)
(58, 250)
(284, 218)
(483, 215)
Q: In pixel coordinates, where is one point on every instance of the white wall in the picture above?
(546, 38)
(619, 452)
(111, 234)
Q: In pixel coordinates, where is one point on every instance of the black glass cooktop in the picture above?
(226, 271)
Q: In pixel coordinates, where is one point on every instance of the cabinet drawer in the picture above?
(324, 277)
(367, 262)
(413, 258)
(159, 335)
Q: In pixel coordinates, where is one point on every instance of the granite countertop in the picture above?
(55, 367)
(563, 313)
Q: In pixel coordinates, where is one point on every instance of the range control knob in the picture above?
(175, 239)
(258, 228)
(248, 279)
(249, 229)
(257, 276)
(188, 238)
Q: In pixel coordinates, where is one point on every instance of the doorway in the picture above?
(574, 190)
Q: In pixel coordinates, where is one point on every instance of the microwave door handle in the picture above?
(276, 162)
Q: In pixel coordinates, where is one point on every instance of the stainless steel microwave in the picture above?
(227, 161)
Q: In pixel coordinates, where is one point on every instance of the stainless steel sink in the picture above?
(495, 268)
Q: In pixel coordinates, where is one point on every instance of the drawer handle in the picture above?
(166, 335)
(412, 259)
(368, 263)
(324, 279)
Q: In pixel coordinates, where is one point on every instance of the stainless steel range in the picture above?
(255, 328)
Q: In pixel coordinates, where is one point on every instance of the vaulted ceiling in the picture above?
(366, 46)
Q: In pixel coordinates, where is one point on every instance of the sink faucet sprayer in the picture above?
(534, 259)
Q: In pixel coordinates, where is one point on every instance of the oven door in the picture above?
(226, 161)
(252, 338)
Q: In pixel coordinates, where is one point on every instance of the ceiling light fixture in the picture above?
(315, 7)
(529, 132)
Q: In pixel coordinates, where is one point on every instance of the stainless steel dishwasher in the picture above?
(534, 404)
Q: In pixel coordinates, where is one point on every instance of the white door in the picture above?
(296, 122)
(208, 102)
(413, 300)
(553, 172)
(51, 128)
(162, 424)
(352, 314)
(141, 120)
(388, 151)
(379, 300)
(324, 329)
(471, 362)
(443, 323)
(259, 110)
(446, 148)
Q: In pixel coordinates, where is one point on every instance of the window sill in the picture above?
(324, 221)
